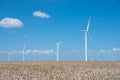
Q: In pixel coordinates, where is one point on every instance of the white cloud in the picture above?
(42, 51)
(105, 51)
(28, 51)
(116, 49)
(11, 23)
(10, 52)
(110, 50)
(41, 14)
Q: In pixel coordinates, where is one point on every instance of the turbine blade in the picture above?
(88, 23)
(90, 36)
(24, 47)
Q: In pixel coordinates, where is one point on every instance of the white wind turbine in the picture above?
(58, 45)
(8, 56)
(86, 45)
(23, 53)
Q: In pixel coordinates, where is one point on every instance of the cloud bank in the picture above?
(39, 51)
(40, 14)
(28, 51)
(11, 23)
(113, 50)
(116, 49)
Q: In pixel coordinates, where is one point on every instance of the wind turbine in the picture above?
(23, 53)
(8, 56)
(86, 45)
(112, 57)
(58, 45)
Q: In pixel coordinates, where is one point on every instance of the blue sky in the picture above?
(41, 23)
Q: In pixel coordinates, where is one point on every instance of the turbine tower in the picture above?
(86, 45)
(8, 56)
(23, 53)
(58, 45)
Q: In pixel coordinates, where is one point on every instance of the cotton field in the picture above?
(60, 70)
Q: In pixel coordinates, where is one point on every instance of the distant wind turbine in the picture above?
(112, 57)
(23, 52)
(58, 45)
(86, 45)
(8, 56)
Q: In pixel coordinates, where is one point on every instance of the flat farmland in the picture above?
(63, 70)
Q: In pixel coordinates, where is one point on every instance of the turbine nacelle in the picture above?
(84, 30)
